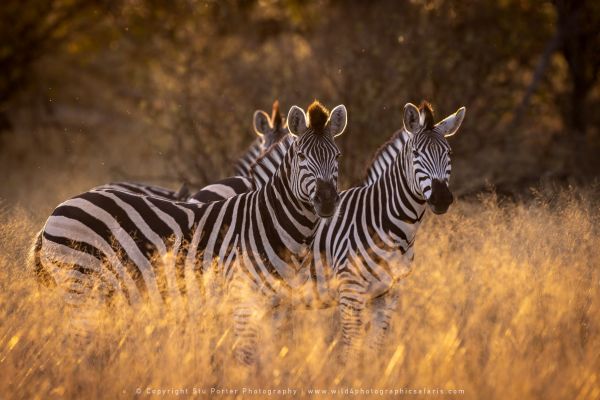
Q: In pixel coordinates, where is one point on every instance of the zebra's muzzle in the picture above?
(440, 198)
(326, 198)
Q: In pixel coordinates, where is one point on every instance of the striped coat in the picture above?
(359, 254)
(151, 249)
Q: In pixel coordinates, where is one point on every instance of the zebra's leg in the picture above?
(213, 325)
(382, 310)
(351, 306)
(282, 323)
(282, 334)
(247, 313)
(85, 304)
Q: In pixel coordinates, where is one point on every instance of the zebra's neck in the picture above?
(385, 156)
(242, 166)
(404, 163)
(266, 165)
(398, 196)
(294, 221)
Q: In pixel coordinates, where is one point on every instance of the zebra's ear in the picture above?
(261, 122)
(449, 126)
(296, 121)
(338, 119)
(413, 120)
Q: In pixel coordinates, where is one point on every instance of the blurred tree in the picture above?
(192, 72)
(579, 27)
(32, 29)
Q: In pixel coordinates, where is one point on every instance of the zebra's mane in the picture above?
(276, 118)
(427, 109)
(318, 115)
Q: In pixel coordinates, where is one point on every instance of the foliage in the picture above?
(502, 303)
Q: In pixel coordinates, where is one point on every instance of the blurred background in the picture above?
(163, 92)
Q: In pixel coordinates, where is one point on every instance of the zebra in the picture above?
(358, 256)
(151, 249)
(269, 131)
(320, 295)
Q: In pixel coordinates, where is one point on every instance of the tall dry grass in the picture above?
(503, 303)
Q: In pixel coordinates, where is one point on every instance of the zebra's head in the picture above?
(430, 153)
(269, 129)
(314, 164)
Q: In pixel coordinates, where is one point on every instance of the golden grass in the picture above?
(503, 303)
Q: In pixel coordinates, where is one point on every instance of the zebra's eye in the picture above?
(338, 155)
(415, 153)
(301, 156)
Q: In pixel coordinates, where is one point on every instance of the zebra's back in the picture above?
(223, 189)
(147, 190)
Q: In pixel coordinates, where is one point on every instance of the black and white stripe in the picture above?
(384, 157)
(223, 189)
(358, 255)
(264, 168)
(148, 190)
(153, 250)
(242, 166)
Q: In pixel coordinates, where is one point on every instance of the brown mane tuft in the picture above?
(276, 115)
(317, 116)
(427, 109)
